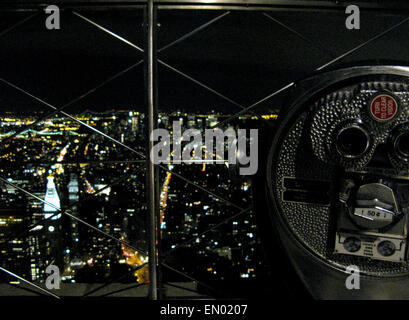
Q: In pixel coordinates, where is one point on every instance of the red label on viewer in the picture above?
(383, 107)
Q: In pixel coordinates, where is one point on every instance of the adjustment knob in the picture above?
(375, 206)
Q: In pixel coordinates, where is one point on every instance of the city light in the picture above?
(73, 171)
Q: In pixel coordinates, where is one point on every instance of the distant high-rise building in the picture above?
(35, 209)
(73, 197)
(46, 237)
(134, 123)
(13, 241)
(52, 202)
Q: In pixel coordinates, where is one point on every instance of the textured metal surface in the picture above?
(305, 155)
(342, 106)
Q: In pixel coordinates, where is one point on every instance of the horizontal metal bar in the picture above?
(295, 3)
(214, 7)
(66, 6)
(292, 3)
(235, 7)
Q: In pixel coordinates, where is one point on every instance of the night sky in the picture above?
(244, 55)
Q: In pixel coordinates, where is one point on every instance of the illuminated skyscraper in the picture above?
(73, 197)
(45, 238)
(52, 200)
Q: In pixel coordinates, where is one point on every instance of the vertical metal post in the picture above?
(158, 237)
(151, 172)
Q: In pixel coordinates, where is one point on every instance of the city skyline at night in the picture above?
(99, 182)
